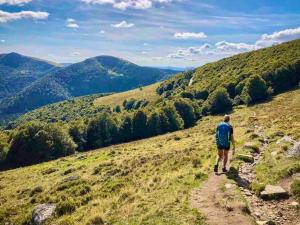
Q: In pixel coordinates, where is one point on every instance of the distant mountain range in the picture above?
(178, 69)
(28, 83)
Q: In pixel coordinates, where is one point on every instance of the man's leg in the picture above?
(225, 159)
(219, 158)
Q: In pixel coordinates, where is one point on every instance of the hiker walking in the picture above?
(224, 135)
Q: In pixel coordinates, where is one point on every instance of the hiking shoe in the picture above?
(216, 168)
(224, 170)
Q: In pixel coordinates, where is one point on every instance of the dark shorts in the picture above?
(226, 148)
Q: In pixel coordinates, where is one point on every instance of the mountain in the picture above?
(18, 71)
(179, 69)
(100, 74)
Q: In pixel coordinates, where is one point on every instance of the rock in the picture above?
(70, 170)
(269, 222)
(71, 178)
(245, 158)
(42, 212)
(295, 151)
(273, 192)
(286, 139)
(295, 204)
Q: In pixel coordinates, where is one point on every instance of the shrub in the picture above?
(219, 101)
(139, 125)
(37, 142)
(255, 90)
(186, 111)
(97, 220)
(186, 94)
(201, 95)
(102, 131)
(78, 132)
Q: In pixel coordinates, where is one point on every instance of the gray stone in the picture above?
(42, 212)
(274, 192)
(295, 151)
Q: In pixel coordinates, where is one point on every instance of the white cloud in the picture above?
(75, 54)
(2, 41)
(278, 37)
(102, 31)
(7, 16)
(71, 23)
(14, 2)
(123, 24)
(234, 47)
(126, 4)
(188, 35)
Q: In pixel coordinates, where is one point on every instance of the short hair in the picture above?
(226, 118)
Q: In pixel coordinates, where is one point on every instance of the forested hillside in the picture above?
(242, 79)
(101, 74)
(18, 71)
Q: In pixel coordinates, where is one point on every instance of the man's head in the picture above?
(226, 118)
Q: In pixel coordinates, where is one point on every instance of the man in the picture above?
(224, 135)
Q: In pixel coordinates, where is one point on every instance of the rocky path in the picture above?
(281, 211)
(208, 199)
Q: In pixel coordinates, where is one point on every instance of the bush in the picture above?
(139, 125)
(255, 90)
(78, 132)
(102, 131)
(186, 111)
(219, 101)
(97, 220)
(38, 142)
(201, 95)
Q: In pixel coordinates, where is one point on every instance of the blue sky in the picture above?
(147, 32)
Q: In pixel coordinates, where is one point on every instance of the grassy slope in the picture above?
(148, 181)
(147, 92)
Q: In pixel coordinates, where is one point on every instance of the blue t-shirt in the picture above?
(223, 134)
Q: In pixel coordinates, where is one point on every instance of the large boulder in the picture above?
(295, 151)
(273, 192)
(42, 212)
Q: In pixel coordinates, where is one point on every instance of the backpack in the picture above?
(223, 134)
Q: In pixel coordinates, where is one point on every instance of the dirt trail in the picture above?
(208, 200)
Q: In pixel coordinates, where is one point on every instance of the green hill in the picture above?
(279, 66)
(101, 74)
(18, 71)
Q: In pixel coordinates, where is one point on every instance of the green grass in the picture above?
(148, 93)
(147, 181)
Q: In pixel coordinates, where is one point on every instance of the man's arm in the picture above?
(233, 144)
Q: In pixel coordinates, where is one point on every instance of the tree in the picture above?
(78, 132)
(38, 142)
(126, 129)
(186, 111)
(139, 125)
(218, 101)
(3, 146)
(102, 131)
(153, 124)
(254, 90)
(171, 120)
